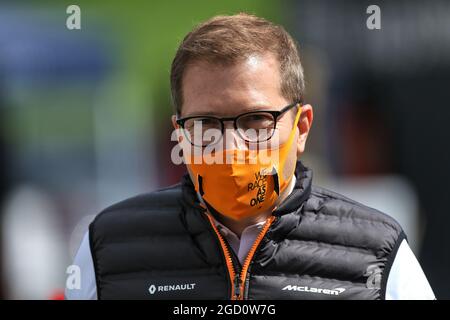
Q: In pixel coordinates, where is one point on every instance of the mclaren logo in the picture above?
(332, 292)
(175, 287)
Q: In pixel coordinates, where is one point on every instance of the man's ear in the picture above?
(176, 127)
(174, 122)
(304, 125)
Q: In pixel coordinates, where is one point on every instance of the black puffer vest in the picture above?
(318, 245)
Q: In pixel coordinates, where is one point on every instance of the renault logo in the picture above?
(172, 287)
(152, 289)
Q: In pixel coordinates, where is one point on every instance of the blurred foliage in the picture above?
(148, 33)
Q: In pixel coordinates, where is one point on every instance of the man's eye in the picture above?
(210, 123)
(207, 121)
(256, 121)
(201, 122)
(256, 117)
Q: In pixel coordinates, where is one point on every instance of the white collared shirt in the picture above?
(241, 246)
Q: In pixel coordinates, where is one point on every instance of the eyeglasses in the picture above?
(253, 127)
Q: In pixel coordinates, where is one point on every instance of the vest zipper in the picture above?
(250, 255)
(237, 279)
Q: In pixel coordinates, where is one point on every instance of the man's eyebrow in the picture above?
(213, 113)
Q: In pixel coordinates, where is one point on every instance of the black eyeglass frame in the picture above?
(275, 114)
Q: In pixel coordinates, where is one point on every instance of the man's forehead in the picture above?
(252, 60)
(229, 90)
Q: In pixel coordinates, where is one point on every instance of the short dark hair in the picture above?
(230, 39)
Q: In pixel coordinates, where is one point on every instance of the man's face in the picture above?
(227, 91)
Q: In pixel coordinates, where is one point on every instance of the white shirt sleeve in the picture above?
(87, 289)
(406, 280)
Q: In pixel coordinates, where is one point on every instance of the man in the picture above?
(237, 228)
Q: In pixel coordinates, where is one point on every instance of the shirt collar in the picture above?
(258, 225)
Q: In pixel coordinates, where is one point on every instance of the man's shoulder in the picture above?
(335, 204)
(151, 203)
(166, 196)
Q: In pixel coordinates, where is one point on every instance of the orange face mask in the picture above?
(248, 184)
